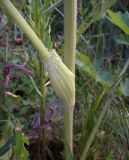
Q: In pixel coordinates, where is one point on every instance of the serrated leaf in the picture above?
(120, 19)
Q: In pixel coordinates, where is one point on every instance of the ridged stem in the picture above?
(10, 9)
(68, 131)
(70, 25)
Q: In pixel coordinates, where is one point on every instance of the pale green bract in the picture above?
(61, 78)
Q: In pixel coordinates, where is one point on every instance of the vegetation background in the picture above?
(102, 53)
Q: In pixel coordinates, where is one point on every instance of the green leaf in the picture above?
(125, 18)
(122, 39)
(5, 144)
(124, 87)
(95, 106)
(84, 63)
(97, 65)
(100, 8)
(35, 87)
(93, 2)
(20, 152)
(120, 19)
(6, 147)
(104, 76)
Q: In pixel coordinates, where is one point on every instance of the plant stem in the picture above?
(42, 137)
(70, 25)
(42, 111)
(68, 130)
(10, 9)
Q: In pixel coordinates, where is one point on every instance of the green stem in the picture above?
(68, 130)
(42, 111)
(10, 9)
(70, 25)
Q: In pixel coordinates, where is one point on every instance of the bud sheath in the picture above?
(62, 79)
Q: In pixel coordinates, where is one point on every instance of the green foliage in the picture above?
(6, 147)
(83, 62)
(106, 104)
(124, 87)
(120, 19)
(103, 77)
(20, 151)
(40, 19)
(6, 141)
(122, 39)
(100, 8)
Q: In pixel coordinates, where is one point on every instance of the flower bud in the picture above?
(61, 78)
